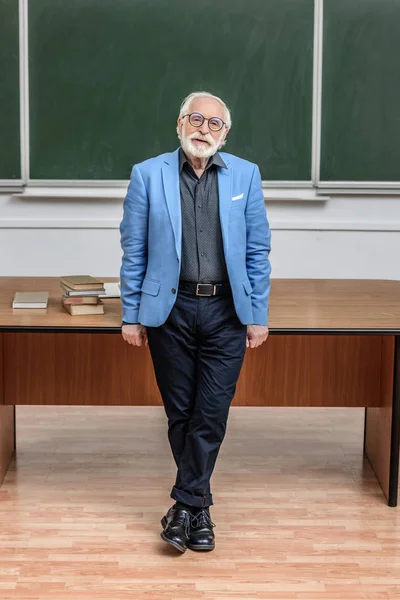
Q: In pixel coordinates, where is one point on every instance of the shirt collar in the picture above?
(215, 159)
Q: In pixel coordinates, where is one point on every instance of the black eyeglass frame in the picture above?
(204, 119)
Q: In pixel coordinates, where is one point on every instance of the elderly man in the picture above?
(195, 281)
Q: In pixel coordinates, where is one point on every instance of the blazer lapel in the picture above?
(170, 175)
(225, 201)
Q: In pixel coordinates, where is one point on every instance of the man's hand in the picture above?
(256, 335)
(134, 334)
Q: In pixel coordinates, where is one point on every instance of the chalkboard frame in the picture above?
(337, 186)
(319, 186)
(15, 183)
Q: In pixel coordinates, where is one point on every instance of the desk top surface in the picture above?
(296, 305)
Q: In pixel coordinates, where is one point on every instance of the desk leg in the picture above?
(395, 433)
(382, 425)
(7, 423)
(7, 438)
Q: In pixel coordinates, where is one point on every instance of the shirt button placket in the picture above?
(199, 221)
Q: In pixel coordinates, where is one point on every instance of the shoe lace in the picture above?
(183, 519)
(202, 518)
(187, 525)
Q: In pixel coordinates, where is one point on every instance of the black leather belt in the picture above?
(205, 289)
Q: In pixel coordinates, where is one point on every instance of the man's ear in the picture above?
(224, 138)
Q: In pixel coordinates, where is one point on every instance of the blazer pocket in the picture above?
(238, 205)
(150, 287)
(247, 286)
(239, 197)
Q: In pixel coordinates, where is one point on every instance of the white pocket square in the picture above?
(237, 197)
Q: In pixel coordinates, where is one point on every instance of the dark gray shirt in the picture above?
(202, 249)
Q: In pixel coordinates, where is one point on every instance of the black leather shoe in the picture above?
(201, 531)
(176, 526)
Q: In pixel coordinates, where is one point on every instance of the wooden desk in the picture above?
(333, 343)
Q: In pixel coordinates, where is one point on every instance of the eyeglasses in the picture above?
(197, 120)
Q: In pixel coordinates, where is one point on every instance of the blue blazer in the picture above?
(151, 235)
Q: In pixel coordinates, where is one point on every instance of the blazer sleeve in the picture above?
(258, 246)
(133, 235)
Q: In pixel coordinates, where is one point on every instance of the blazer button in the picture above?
(173, 290)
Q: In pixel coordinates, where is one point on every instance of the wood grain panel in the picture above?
(295, 304)
(74, 368)
(48, 368)
(312, 371)
(7, 417)
(378, 423)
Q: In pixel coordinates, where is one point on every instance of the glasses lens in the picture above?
(215, 124)
(196, 119)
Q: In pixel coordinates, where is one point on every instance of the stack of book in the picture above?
(82, 295)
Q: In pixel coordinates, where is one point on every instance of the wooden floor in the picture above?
(299, 514)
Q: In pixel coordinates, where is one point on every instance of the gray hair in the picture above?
(194, 95)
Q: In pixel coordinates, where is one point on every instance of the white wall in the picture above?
(344, 237)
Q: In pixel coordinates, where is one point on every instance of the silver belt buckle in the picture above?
(214, 286)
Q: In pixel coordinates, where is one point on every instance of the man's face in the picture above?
(202, 142)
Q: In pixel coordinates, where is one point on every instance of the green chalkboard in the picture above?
(10, 162)
(107, 78)
(361, 91)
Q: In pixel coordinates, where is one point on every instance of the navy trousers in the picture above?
(197, 356)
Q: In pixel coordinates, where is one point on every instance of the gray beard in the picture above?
(189, 148)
